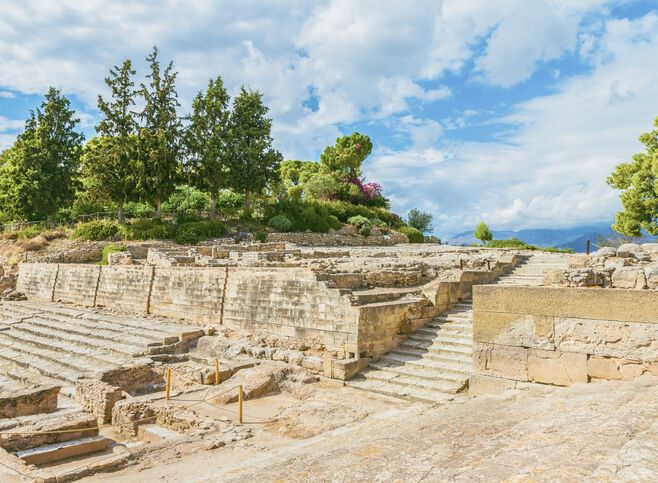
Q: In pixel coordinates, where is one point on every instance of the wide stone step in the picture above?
(441, 340)
(399, 391)
(7, 311)
(111, 329)
(439, 385)
(72, 367)
(382, 294)
(94, 357)
(420, 357)
(26, 376)
(32, 360)
(449, 324)
(433, 372)
(49, 308)
(463, 351)
(67, 449)
(81, 336)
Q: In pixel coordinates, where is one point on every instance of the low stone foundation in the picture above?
(28, 401)
(562, 336)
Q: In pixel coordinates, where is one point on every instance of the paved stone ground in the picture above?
(585, 432)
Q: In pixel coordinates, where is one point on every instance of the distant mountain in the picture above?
(574, 238)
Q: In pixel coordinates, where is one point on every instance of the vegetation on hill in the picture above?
(151, 174)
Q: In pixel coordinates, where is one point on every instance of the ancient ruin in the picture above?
(101, 366)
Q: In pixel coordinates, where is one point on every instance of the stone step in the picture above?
(440, 341)
(453, 325)
(428, 334)
(447, 362)
(466, 352)
(97, 357)
(50, 308)
(50, 363)
(7, 311)
(26, 375)
(67, 449)
(419, 358)
(111, 329)
(438, 385)
(80, 336)
(397, 391)
(382, 294)
(430, 370)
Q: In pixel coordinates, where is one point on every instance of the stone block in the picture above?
(556, 367)
(513, 329)
(98, 398)
(344, 369)
(479, 384)
(501, 361)
(610, 368)
(554, 277)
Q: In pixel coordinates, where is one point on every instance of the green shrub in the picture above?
(414, 235)
(334, 223)
(97, 230)
(280, 223)
(363, 224)
(138, 210)
(111, 248)
(512, 243)
(196, 231)
(145, 229)
(261, 236)
(229, 199)
(31, 231)
(556, 250)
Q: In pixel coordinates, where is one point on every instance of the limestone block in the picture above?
(513, 329)
(480, 384)
(579, 261)
(626, 340)
(501, 361)
(556, 367)
(627, 249)
(651, 274)
(605, 252)
(76, 283)
(28, 401)
(120, 258)
(610, 368)
(98, 398)
(37, 280)
(344, 369)
(554, 276)
(628, 277)
(312, 363)
(650, 248)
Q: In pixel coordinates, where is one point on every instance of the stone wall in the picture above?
(77, 284)
(561, 336)
(290, 303)
(37, 280)
(126, 288)
(340, 238)
(197, 293)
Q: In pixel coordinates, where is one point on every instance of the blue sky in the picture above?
(513, 112)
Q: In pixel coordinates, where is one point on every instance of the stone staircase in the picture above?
(436, 361)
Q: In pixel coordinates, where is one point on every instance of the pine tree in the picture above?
(207, 141)
(109, 161)
(254, 162)
(40, 173)
(160, 134)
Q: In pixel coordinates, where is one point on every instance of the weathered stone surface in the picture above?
(500, 361)
(556, 367)
(479, 384)
(27, 401)
(610, 368)
(98, 398)
(628, 249)
(120, 258)
(513, 329)
(651, 274)
(636, 341)
(628, 277)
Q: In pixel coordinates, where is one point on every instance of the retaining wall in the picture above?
(561, 336)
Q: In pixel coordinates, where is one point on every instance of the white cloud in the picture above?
(552, 171)
(7, 95)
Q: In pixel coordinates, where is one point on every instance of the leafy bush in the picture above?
(193, 232)
(261, 236)
(483, 232)
(229, 199)
(334, 223)
(414, 235)
(280, 223)
(138, 210)
(96, 230)
(144, 229)
(111, 248)
(420, 220)
(322, 187)
(512, 243)
(31, 231)
(362, 224)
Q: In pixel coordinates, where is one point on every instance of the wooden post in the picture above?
(168, 382)
(216, 371)
(588, 242)
(489, 265)
(240, 399)
(461, 264)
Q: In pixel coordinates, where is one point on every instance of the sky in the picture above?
(509, 111)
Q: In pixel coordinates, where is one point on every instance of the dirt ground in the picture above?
(604, 431)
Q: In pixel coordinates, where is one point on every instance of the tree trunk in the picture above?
(158, 206)
(213, 205)
(53, 219)
(247, 200)
(120, 215)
